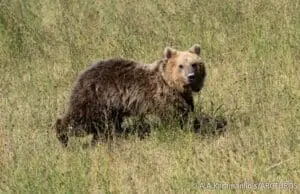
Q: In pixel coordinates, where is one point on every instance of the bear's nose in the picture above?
(191, 76)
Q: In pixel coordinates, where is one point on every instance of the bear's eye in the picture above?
(181, 66)
(194, 65)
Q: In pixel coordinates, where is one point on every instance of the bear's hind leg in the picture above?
(62, 131)
(96, 130)
(95, 139)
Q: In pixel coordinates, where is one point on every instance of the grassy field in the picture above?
(252, 53)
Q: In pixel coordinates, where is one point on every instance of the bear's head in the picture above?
(184, 70)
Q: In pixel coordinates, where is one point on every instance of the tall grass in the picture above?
(252, 53)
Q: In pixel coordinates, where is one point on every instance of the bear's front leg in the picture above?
(183, 120)
(185, 110)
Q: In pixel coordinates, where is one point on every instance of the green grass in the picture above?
(252, 53)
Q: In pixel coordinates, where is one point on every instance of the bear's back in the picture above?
(119, 84)
(118, 71)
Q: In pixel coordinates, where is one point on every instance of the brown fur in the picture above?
(110, 90)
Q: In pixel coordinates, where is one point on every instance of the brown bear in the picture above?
(110, 90)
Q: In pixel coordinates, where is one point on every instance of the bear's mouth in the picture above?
(193, 86)
(196, 89)
(196, 86)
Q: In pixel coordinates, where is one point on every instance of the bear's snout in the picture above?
(191, 77)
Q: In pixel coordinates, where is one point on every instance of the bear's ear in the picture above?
(169, 52)
(195, 49)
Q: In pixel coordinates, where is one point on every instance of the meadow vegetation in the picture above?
(252, 54)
